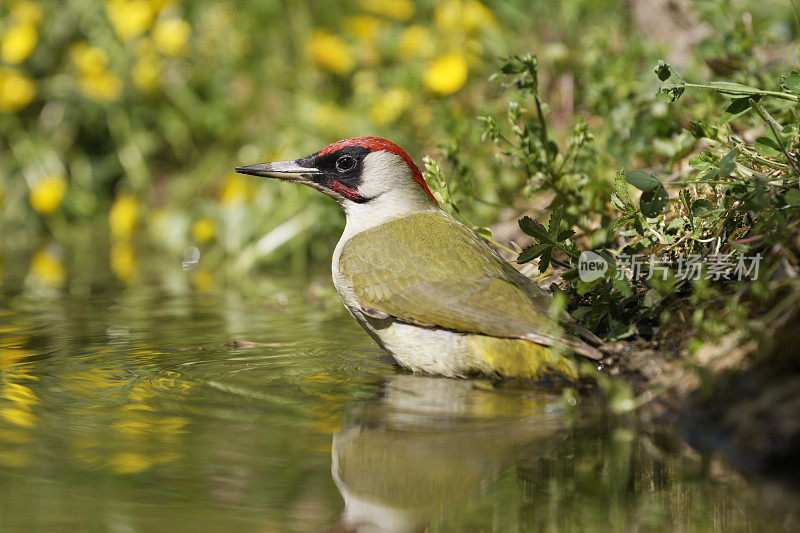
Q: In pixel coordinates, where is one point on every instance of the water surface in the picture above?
(131, 410)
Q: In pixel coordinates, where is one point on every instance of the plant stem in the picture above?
(744, 92)
(770, 122)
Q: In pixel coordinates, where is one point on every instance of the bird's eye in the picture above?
(345, 163)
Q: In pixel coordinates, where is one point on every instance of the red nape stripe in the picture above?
(345, 191)
(375, 144)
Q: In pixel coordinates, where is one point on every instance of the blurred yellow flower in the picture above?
(236, 189)
(447, 73)
(204, 230)
(364, 27)
(365, 83)
(329, 52)
(468, 17)
(390, 106)
(171, 36)
(103, 87)
(476, 16)
(95, 81)
(123, 215)
(416, 41)
(447, 15)
(394, 9)
(329, 116)
(47, 193)
(123, 260)
(47, 268)
(26, 12)
(145, 73)
(89, 59)
(18, 43)
(130, 18)
(16, 90)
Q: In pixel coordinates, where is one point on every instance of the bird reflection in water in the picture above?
(430, 445)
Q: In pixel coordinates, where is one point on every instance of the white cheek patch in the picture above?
(383, 172)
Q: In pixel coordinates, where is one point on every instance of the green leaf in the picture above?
(701, 130)
(554, 224)
(534, 229)
(532, 252)
(791, 82)
(701, 206)
(566, 234)
(672, 85)
(727, 163)
(737, 108)
(701, 161)
(483, 231)
(642, 180)
(653, 202)
(623, 286)
(767, 146)
(731, 89)
(792, 197)
(544, 261)
(622, 192)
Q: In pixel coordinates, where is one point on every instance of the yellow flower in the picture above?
(365, 83)
(95, 81)
(416, 41)
(47, 268)
(390, 106)
(447, 73)
(393, 9)
(364, 27)
(329, 116)
(329, 52)
(47, 193)
(447, 15)
(18, 43)
(16, 91)
(468, 17)
(103, 87)
(145, 73)
(236, 189)
(123, 215)
(171, 36)
(130, 18)
(89, 59)
(123, 261)
(204, 230)
(26, 12)
(476, 16)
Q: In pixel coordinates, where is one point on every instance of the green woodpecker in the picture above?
(426, 288)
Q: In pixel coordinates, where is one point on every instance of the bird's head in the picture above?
(354, 171)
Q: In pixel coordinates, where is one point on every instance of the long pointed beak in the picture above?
(283, 170)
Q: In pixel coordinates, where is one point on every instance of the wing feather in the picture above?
(456, 281)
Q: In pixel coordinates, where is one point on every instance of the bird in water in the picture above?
(424, 286)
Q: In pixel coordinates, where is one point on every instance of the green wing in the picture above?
(449, 278)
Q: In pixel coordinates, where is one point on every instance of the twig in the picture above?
(770, 122)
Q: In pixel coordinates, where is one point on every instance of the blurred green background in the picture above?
(121, 121)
